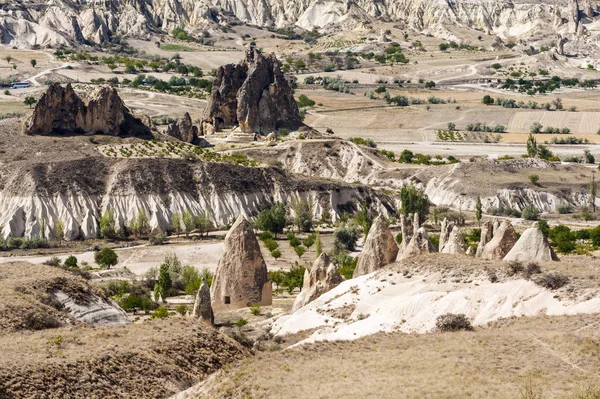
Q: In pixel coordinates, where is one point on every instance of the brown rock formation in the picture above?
(61, 110)
(532, 246)
(322, 277)
(202, 306)
(503, 241)
(380, 249)
(487, 233)
(241, 277)
(253, 95)
(183, 129)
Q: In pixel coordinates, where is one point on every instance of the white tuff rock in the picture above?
(380, 248)
(532, 246)
(322, 277)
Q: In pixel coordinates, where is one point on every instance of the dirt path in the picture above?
(555, 354)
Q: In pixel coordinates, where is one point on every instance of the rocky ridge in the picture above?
(253, 95)
(78, 192)
(98, 21)
(61, 110)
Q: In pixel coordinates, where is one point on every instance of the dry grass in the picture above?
(558, 355)
(148, 360)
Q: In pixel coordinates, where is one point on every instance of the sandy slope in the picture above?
(389, 300)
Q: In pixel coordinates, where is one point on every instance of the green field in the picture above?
(176, 47)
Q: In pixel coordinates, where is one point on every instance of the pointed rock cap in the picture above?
(380, 248)
(322, 277)
(241, 278)
(532, 246)
(202, 307)
(455, 244)
(504, 239)
(419, 245)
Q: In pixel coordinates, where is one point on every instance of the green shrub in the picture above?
(453, 322)
(53, 261)
(160, 313)
(255, 310)
(345, 237)
(241, 322)
(182, 309)
(276, 254)
(534, 179)
(563, 208)
(530, 212)
(266, 235)
(271, 244)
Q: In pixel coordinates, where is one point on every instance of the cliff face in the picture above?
(78, 192)
(61, 21)
(61, 110)
(253, 95)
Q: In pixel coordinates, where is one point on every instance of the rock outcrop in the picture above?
(253, 95)
(380, 248)
(183, 129)
(418, 245)
(502, 242)
(322, 277)
(61, 110)
(65, 22)
(487, 233)
(406, 228)
(445, 229)
(202, 307)
(455, 243)
(241, 278)
(532, 246)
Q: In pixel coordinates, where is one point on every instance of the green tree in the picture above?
(414, 200)
(203, 224)
(188, 222)
(272, 219)
(107, 224)
(364, 219)
(478, 210)
(593, 189)
(536, 128)
(345, 237)
(530, 212)
(141, 222)
(71, 262)
(176, 223)
(309, 241)
(106, 258)
(164, 282)
(59, 231)
(487, 100)
(276, 254)
(8, 59)
(276, 277)
(318, 245)
(33, 62)
(303, 215)
(430, 84)
(406, 156)
(300, 250)
(531, 146)
(29, 101)
(293, 279)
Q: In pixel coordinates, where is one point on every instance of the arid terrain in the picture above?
(206, 199)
